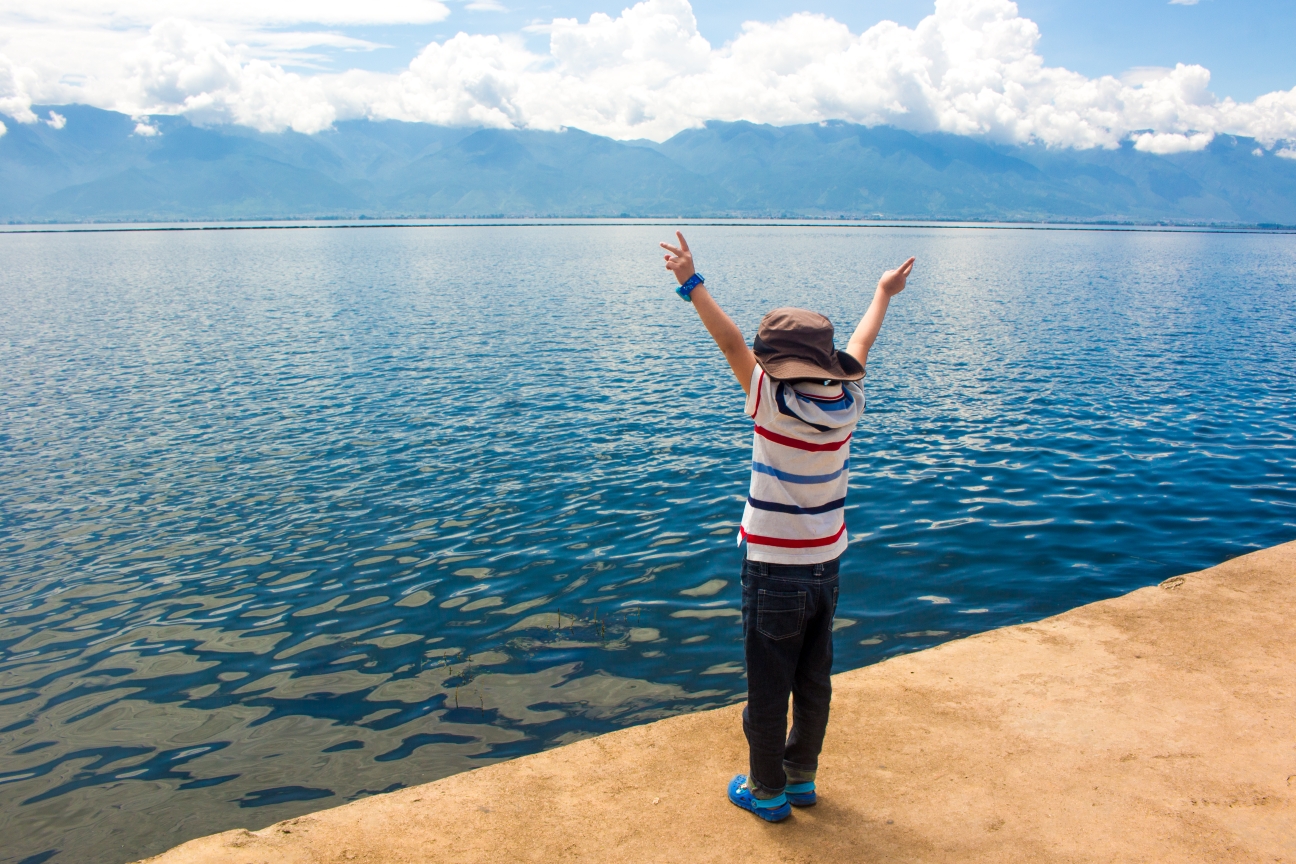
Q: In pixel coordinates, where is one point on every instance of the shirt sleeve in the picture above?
(754, 397)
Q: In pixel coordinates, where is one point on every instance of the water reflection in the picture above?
(289, 520)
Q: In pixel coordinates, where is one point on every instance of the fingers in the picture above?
(902, 271)
(893, 281)
(672, 249)
(683, 242)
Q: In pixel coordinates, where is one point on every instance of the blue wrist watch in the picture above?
(686, 290)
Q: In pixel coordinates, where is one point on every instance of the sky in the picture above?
(1244, 44)
(1167, 75)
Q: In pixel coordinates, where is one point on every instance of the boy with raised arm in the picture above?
(805, 398)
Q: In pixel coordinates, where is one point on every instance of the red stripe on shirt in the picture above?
(792, 544)
(800, 445)
(760, 385)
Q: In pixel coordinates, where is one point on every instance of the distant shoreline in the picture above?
(611, 222)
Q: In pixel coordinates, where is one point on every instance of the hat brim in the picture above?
(843, 367)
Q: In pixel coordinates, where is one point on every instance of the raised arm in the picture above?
(723, 330)
(891, 284)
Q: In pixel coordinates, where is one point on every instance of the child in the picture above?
(805, 398)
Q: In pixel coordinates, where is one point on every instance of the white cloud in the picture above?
(56, 120)
(16, 83)
(187, 69)
(84, 41)
(144, 129)
(1140, 75)
(1184, 2)
(971, 67)
(1286, 153)
(1171, 142)
(3, 129)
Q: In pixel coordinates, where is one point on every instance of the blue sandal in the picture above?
(774, 809)
(801, 794)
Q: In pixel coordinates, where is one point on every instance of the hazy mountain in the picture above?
(836, 168)
(96, 168)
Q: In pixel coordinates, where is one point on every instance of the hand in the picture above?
(892, 281)
(680, 261)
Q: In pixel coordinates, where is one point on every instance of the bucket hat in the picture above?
(797, 343)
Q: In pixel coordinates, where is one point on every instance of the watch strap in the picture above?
(686, 290)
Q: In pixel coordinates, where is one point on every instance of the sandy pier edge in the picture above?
(1155, 726)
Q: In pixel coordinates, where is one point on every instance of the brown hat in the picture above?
(797, 343)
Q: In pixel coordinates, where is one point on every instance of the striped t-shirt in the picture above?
(800, 468)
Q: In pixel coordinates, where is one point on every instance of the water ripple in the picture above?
(290, 518)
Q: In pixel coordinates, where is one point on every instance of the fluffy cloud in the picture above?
(971, 67)
(186, 69)
(16, 84)
(87, 51)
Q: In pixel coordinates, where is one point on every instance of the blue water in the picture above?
(293, 517)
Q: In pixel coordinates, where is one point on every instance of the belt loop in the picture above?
(818, 570)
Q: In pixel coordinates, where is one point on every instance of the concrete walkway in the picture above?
(1158, 726)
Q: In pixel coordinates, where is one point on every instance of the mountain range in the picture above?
(97, 166)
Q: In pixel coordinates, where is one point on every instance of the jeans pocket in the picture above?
(779, 615)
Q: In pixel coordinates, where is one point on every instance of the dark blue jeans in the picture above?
(787, 613)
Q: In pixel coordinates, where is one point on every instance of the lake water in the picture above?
(293, 517)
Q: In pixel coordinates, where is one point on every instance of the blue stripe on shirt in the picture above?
(786, 477)
(827, 403)
(792, 508)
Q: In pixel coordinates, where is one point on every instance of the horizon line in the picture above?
(644, 221)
